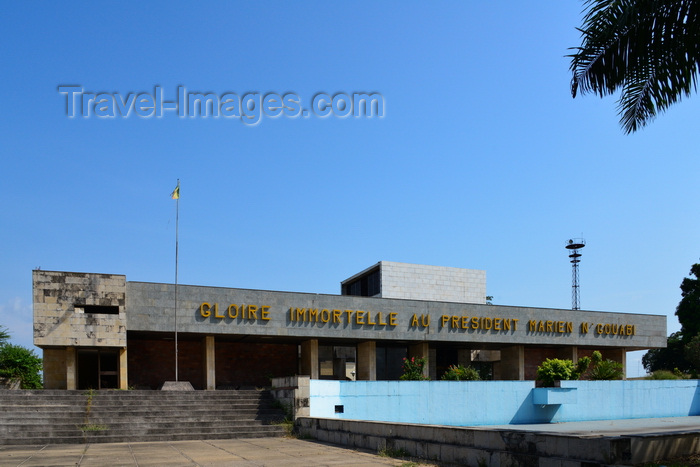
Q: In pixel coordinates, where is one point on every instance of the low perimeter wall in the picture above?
(474, 403)
(501, 446)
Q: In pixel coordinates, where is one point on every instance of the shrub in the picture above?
(581, 367)
(606, 370)
(663, 374)
(461, 373)
(23, 364)
(413, 369)
(554, 369)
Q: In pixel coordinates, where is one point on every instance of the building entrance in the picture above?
(98, 369)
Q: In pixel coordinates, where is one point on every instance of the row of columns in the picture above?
(512, 364)
(511, 367)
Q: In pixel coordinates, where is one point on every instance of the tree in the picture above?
(666, 359)
(692, 353)
(688, 310)
(4, 335)
(648, 49)
(681, 344)
(19, 362)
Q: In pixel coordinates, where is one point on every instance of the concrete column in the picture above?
(366, 366)
(309, 358)
(210, 362)
(512, 367)
(432, 364)
(569, 353)
(123, 374)
(421, 350)
(71, 369)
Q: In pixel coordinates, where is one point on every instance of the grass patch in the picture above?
(93, 427)
(393, 453)
(288, 425)
(693, 460)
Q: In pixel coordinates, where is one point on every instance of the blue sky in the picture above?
(482, 158)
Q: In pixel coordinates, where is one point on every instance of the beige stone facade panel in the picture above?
(59, 318)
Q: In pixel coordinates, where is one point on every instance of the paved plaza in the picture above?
(254, 452)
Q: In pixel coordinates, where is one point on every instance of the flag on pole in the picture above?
(176, 192)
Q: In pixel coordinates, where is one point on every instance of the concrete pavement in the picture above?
(252, 452)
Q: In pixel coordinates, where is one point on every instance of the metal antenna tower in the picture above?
(574, 245)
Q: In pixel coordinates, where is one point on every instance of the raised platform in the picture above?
(619, 442)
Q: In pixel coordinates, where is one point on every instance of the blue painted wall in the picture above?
(470, 403)
(608, 400)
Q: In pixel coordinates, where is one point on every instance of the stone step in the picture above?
(137, 432)
(129, 397)
(119, 404)
(151, 395)
(142, 414)
(132, 424)
(144, 426)
(99, 438)
(34, 417)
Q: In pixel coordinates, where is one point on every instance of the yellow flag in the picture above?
(176, 192)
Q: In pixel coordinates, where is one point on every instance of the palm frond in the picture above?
(649, 49)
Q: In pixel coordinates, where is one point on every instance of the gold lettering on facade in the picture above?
(252, 312)
(476, 322)
(551, 327)
(313, 314)
(252, 309)
(611, 329)
(233, 311)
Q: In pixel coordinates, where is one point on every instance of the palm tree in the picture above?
(647, 48)
(4, 335)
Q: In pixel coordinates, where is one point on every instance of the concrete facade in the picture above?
(303, 315)
(60, 303)
(99, 330)
(432, 283)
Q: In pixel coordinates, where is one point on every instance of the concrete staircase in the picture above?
(52, 417)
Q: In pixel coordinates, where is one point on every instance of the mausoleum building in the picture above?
(102, 331)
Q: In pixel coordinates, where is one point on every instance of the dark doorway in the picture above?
(390, 362)
(98, 369)
(445, 356)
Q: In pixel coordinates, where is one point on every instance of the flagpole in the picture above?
(177, 221)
